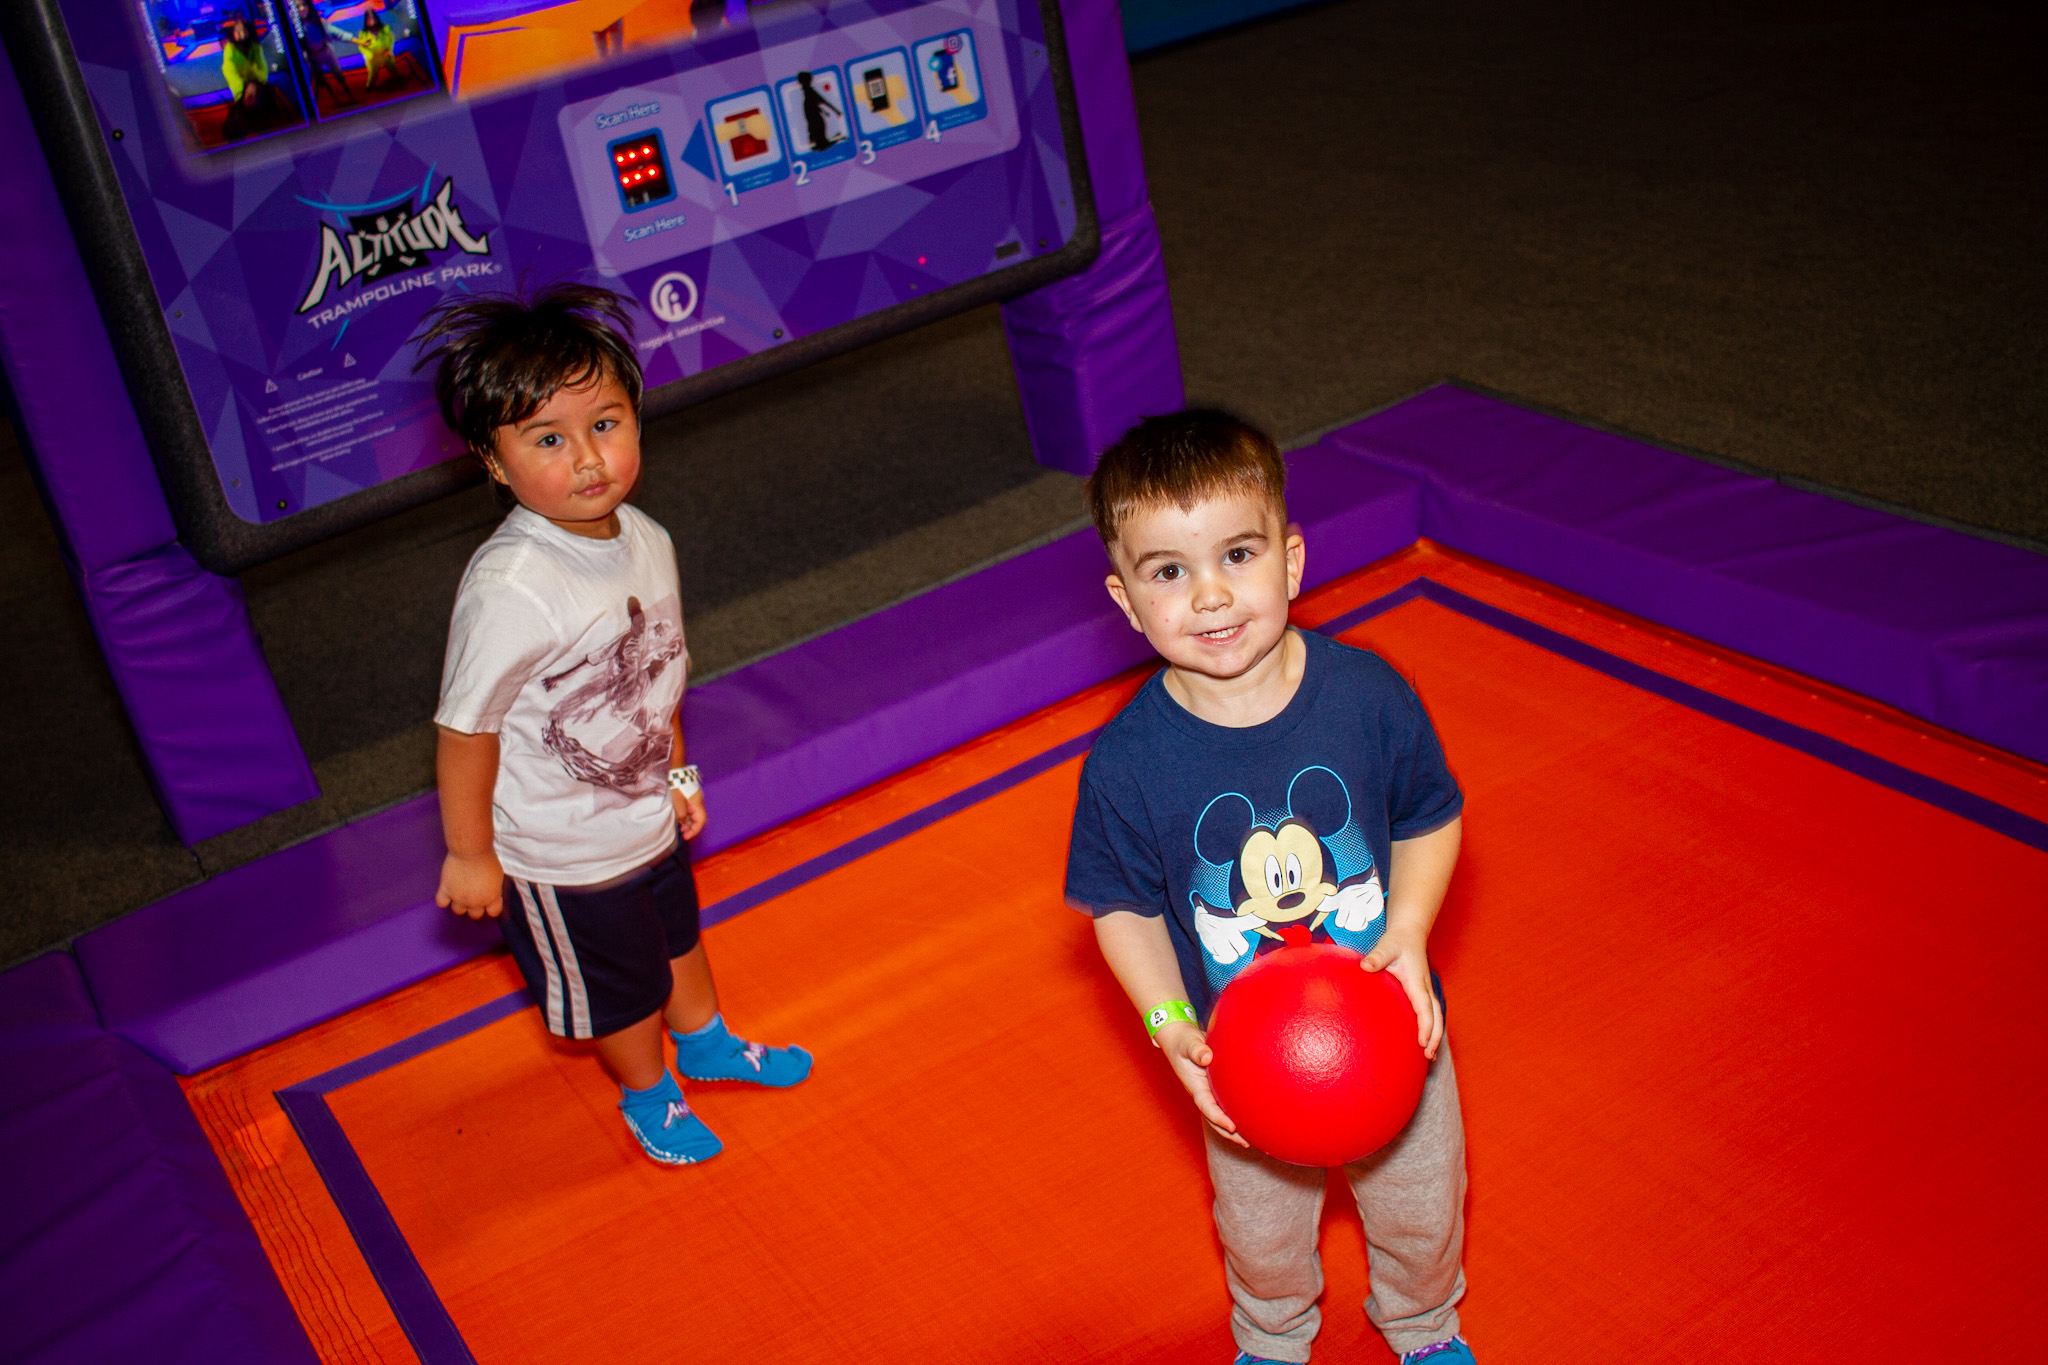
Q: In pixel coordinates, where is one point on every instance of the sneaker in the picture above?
(661, 1121)
(1247, 1358)
(1449, 1351)
(715, 1053)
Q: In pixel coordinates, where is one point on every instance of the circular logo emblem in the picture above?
(953, 44)
(674, 297)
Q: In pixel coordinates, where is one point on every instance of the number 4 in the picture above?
(931, 131)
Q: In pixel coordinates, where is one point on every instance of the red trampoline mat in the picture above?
(1748, 1050)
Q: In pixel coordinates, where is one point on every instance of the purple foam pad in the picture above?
(1943, 625)
(258, 953)
(849, 708)
(121, 1238)
(220, 748)
(1096, 352)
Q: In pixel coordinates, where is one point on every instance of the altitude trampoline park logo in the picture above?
(389, 241)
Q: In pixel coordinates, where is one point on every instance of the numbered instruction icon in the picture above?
(814, 111)
(952, 80)
(884, 106)
(750, 150)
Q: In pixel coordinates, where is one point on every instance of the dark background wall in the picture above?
(1803, 235)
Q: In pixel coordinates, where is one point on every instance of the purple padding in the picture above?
(272, 947)
(178, 640)
(213, 729)
(121, 1238)
(1096, 352)
(1946, 626)
(259, 952)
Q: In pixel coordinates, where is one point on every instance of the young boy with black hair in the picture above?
(1266, 786)
(560, 753)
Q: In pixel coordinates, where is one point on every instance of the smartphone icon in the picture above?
(878, 89)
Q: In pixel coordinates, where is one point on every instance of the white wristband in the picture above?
(685, 780)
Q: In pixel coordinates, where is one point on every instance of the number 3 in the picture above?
(867, 152)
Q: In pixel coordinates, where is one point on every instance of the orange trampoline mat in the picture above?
(1747, 1049)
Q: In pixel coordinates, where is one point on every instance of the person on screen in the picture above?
(1259, 743)
(256, 105)
(565, 801)
(315, 45)
(815, 106)
(374, 41)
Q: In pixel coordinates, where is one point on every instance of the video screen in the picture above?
(494, 44)
(226, 68)
(358, 54)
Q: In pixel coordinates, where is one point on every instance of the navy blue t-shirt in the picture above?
(1247, 837)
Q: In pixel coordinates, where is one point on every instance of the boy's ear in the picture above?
(1122, 597)
(1297, 552)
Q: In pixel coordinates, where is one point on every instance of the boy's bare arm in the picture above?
(1141, 956)
(1418, 875)
(466, 770)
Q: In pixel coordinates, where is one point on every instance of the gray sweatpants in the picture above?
(1411, 1194)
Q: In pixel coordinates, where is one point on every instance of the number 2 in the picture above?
(867, 152)
(931, 131)
(803, 172)
(731, 193)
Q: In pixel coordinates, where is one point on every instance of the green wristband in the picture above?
(1167, 1012)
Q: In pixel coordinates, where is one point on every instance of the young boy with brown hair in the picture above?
(1254, 730)
(560, 758)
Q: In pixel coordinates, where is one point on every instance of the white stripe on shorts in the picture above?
(552, 1007)
(579, 999)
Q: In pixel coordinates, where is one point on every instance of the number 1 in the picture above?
(731, 193)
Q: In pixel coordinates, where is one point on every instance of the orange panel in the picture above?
(1746, 1042)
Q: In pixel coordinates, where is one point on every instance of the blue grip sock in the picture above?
(715, 1053)
(660, 1120)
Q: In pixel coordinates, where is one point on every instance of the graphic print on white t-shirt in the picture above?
(607, 728)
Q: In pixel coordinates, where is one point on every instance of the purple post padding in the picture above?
(1943, 625)
(121, 1239)
(214, 731)
(178, 640)
(1096, 352)
(264, 950)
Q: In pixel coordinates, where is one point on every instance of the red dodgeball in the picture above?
(1316, 1060)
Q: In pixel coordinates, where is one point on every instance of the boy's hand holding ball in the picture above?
(1406, 956)
(1187, 1050)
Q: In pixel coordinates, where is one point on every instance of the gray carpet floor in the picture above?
(1801, 236)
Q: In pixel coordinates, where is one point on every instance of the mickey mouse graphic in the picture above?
(1286, 883)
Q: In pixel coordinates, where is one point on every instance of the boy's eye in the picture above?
(1237, 554)
(1169, 572)
(549, 441)
(605, 424)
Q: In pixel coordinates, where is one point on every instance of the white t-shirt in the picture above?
(571, 651)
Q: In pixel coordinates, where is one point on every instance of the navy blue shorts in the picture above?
(596, 958)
